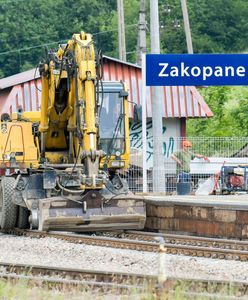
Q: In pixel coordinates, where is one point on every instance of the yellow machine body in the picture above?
(17, 145)
(66, 158)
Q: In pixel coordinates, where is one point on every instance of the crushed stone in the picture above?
(58, 253)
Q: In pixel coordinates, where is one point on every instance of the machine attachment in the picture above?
(57, 201)
(93, 213)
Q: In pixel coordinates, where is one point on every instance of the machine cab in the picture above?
(113, 124)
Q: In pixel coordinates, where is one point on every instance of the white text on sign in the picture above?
(204, 72)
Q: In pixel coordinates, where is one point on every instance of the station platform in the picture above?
(222, 216)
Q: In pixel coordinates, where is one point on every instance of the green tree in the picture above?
(217, 26)
(230, 108)
(27, 26)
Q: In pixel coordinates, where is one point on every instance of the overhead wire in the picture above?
(57, 42)
(28, 48)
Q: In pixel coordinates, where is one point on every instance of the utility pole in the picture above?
(157, 123)
(121, 31)
(141, 47)
(143, 101)
(141, 60)
(186, 26)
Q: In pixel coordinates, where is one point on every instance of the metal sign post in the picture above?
(143, 101)
(158, 172)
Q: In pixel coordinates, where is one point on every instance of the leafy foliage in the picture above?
(230, 108)
(27, 26)
(218, 26)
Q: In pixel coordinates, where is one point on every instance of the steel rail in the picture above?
(52, 277)
(74, 276)
(66, 282)
(140, 245)
(192, 240)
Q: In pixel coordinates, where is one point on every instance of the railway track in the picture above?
(75, 277)
(189, 240)
(57, 277)
(145, 241)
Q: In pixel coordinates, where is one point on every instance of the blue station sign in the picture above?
(196, 69)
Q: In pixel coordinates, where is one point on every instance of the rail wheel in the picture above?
(23, 216)
(8, 210)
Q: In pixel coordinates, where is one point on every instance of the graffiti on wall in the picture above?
(136, 140)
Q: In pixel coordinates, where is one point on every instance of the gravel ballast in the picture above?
(58, 253)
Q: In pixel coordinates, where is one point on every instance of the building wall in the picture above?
(172, 129)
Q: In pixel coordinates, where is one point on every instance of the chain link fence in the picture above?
(208, 157)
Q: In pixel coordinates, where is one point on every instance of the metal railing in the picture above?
(221, 151)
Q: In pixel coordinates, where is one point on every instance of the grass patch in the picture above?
(26, 290)
(29, 290)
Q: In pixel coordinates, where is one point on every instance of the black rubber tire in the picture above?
(23, 215)
(8, 210)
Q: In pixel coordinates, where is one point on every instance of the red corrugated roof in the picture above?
(177, 101)
(19, 78)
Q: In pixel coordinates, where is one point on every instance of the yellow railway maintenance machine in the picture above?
(63, 161)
